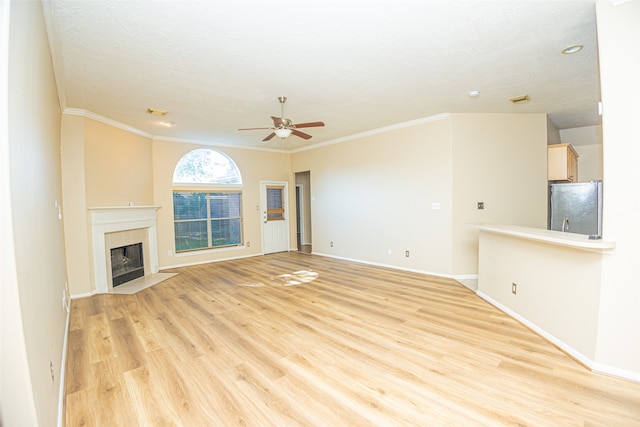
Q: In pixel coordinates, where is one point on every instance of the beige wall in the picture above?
(254, 165)
(33, 272)
(559, 299)
(77, 231)
(501, 160)
(587, 141)
(619, 321)
(102, 166)
(553, 134)
(375, 197)
(141, 170)
(303, 179)
(589, 162)
(118, 166)
(372, 196)
(585, 135)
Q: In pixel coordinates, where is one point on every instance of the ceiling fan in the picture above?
(283, 127)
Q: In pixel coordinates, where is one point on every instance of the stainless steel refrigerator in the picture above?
(576, 208)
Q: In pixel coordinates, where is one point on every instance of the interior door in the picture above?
(275, 216)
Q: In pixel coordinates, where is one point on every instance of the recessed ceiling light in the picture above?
(157, 112)
(572, 49)
(474, 93)
(522, 99)
(167, 123)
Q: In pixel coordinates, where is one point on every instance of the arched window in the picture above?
(207, 201)
(206, 166)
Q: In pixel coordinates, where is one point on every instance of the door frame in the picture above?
(263, 210)
(300, 212)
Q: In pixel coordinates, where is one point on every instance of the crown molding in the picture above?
(106, 121)
(125, 127)
(377, 131)
(218, 144)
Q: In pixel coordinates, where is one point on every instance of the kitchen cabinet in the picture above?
(562, 163)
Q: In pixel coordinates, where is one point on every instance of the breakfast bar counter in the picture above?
(548, 280)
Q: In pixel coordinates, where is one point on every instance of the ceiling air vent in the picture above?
(157, 112)
(523, 99)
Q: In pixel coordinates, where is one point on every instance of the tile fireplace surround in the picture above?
(112, 219)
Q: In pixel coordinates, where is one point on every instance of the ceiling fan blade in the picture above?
(254, 128)
(309, 125)
(277, 121)
(271, 135)
(300, 134)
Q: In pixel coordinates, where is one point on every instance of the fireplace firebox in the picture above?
(127, 263)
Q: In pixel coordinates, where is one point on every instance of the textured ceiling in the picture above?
(217, 66)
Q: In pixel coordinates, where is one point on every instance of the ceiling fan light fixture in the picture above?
(282, 132)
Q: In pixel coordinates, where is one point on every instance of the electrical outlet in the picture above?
(514, 288)
(248, 244)
(480, 205)
(170, 252)
(406, 253)
(331, 244)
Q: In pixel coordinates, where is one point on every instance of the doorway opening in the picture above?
(303, 212)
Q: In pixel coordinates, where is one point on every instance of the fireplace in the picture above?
(127, 263)
(119, 227)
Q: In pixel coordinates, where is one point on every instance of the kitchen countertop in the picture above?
(572, 240)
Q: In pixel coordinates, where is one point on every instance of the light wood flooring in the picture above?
(293, 339)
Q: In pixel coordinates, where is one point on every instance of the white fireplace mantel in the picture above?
(109, 219)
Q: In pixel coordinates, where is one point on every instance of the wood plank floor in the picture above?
(292, 339)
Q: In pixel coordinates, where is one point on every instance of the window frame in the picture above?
(208, 188)
(208, 220)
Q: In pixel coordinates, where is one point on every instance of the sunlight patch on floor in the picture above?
(288, 279)
(295, 278)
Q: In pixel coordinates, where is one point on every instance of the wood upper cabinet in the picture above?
(562, 163)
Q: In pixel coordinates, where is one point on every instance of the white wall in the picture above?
(32, 313)
(619, 322)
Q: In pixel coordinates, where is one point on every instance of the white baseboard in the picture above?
(395, 267)
(85, 295)
(589, 363)
(616, 372)
(63, 370)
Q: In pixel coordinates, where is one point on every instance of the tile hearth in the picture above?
(140, 283)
